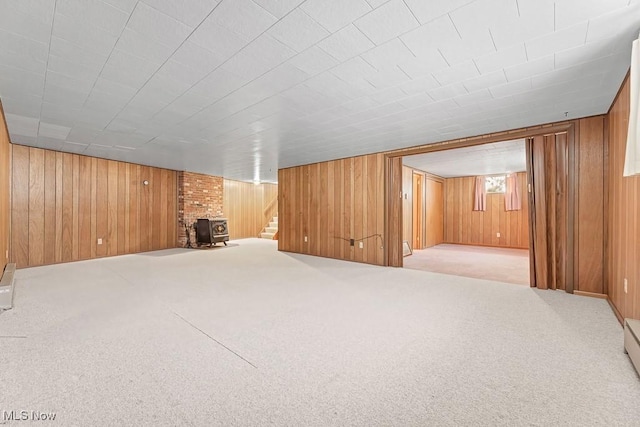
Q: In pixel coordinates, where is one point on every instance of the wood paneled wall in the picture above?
(5, 191)
(63, 203)
(589, 207)
(434, 212)
(248, 207)
(332, 202)
(432, 208)
(623, 215)
(463, 225)
(407, 204)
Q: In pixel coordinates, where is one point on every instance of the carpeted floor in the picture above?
(248, 336)
(480, 262)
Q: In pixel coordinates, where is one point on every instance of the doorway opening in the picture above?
(465, 211)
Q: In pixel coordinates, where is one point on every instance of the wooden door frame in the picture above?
(393, 255)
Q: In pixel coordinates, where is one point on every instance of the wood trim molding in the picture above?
(590, 294)
(484, 139)
(615, 311)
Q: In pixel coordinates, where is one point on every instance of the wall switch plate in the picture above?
(497, 234)
(305, 239)
(361, 245)
(626, 283)
(99, 241)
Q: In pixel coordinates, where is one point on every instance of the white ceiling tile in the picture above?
(124, 5)
(29, 106)
(194, 56)
(278, 8)
(479, 15)
(218, 84)
(189, 12)
(424, 64)
(83, 34)
(335, 14)
(610, 24)
(428, 11)
(511, 88)
(102, 15)
(181, 72)
(485, 81)
(31, 19)
(143, 46)
(530, 68)
(388, 55)
(22, 52)
(128, 70)
(569, 13)
(421, 84)
(243, 17)
(457, 73)
(264, 54)
(387, 77)
(474, 98)
(64, 97)
(431, 36)
(19, 83)
(535, 18)
(504, 58)
(298, 31)
(560, 40)
(155, 25)
(388, 21)
(376, 3)
(223, 42)
(346, 43)
(313, 61)
(53, 131)
(21, 125)
(447, 92)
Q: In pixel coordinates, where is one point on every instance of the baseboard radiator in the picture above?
(632, 341)
(6, 287)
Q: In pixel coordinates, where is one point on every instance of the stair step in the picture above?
(273, 224)
(275, 219)
(271, 229)
(267, 235)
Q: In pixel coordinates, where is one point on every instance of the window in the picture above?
(495, 184)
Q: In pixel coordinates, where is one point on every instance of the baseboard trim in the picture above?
(590, 294)
(615, 311)
(6, 287)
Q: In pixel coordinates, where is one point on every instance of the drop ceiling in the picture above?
(486, 159)
(240, 88)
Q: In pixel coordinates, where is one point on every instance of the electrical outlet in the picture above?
(625, 285)
(99, 241)
(361, 245)
(352, 242)
(497, 234)
(305, 239)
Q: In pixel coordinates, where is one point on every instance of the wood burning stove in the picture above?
(211, 231)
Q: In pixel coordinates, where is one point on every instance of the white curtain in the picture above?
(632, 157)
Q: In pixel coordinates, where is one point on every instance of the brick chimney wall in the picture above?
(199, 196)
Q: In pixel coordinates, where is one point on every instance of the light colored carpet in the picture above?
(480, 262)
(249, 336)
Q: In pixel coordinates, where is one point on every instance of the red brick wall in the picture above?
(199, 196)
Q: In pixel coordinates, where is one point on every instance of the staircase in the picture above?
(270, 230)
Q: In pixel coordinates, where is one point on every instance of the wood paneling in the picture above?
(418, 212)
(463, 225)
(407, 204)
(623, 224)
(589, 248)
(355, 203)
(63, 203)
(434, 213)
(249, 207)
(5, 191)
